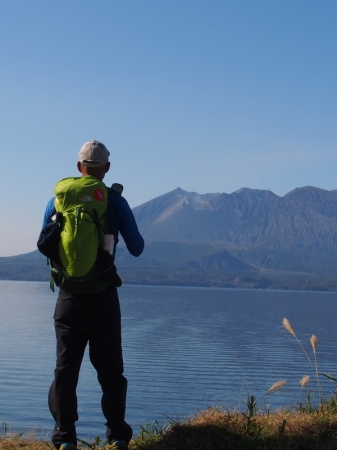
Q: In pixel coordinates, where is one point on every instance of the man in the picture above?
(94, 319)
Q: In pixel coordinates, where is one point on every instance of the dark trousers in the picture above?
(79, 320)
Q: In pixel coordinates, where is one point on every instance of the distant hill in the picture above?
(208, 239)
(27, 267)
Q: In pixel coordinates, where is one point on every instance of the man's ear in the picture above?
(79, 166)
(107, 167)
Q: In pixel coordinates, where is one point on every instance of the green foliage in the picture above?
(95, 444)
(151, 432)
(282, 427)
(251, 427)
(307, 406)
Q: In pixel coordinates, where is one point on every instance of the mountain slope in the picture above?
(248, 230)
(299, 229)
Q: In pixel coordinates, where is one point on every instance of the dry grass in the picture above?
(214, 429)
(8, 443)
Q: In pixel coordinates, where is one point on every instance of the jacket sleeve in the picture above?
(49, 212)
(120, 215)
(129, 231)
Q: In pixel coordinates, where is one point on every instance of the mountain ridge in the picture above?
(244, 218)
(258, 227)
(249, 230)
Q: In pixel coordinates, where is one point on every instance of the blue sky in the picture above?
(206, 95)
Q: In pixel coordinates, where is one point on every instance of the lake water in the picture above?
(184, 349)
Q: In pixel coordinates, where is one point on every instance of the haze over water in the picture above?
(184, 349)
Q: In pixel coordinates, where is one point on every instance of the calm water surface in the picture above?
(184, 349)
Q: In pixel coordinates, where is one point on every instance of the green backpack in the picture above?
(83, 267)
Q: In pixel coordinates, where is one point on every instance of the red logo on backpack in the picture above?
(99, 194)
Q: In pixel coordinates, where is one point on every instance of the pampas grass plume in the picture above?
(304, 381)
(314, 341)
(288, 327)
(276, 386)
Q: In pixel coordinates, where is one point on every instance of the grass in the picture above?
(305, 426)
(215, 429)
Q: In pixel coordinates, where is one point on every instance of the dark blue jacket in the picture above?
(120, 219)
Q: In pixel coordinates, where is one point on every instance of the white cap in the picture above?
(93, 154)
